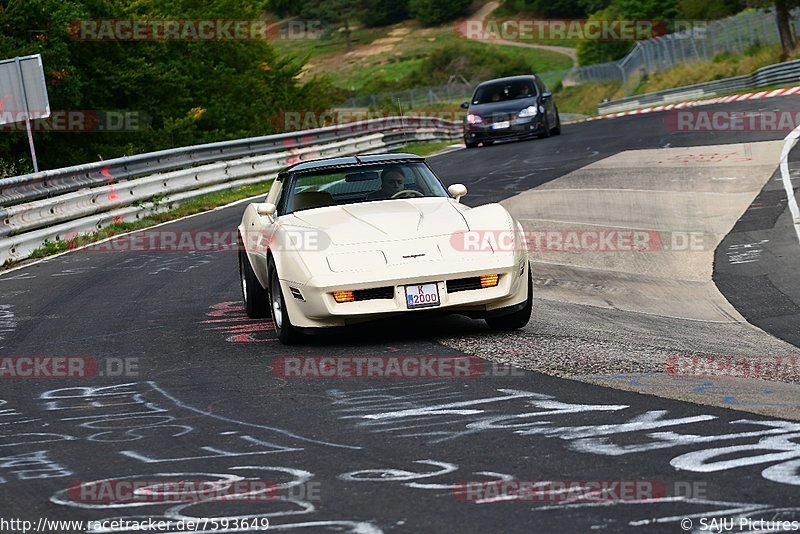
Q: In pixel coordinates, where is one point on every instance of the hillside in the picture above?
(403, 55)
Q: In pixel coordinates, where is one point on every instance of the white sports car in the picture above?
(344, 240)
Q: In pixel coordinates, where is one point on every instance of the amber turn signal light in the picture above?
(343, 296)
(489, 280)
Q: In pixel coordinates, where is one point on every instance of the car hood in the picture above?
(501, 108)
(386, 220)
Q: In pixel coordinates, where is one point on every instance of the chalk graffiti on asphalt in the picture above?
(230, 319)
(21, 454)
(441, 413)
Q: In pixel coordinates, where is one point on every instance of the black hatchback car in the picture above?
(508, 108)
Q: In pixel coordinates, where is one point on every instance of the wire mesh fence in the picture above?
(697, 41)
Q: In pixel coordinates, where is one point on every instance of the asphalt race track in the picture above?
(192, 389)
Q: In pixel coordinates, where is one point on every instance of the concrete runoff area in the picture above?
(686, 200)
(683, 199)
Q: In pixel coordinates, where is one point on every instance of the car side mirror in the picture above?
(546, 94)
(465, 105)
(457, 191)
(267, 209)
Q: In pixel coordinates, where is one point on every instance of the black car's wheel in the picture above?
(470, 144)
(287, 333)
(256, 303)
(545, 127)
(557, 129)
(517, 319)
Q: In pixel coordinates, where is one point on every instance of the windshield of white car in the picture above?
(502, 91)
(363, 183)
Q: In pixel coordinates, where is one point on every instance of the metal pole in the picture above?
(27, 114)
(624, 79)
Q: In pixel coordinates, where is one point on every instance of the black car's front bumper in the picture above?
(519, 127)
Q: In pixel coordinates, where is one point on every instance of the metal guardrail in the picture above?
(84, 209)
(28, 187)
(778, 74)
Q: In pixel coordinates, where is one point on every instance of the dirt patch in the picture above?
(384, 45)
(371, 50)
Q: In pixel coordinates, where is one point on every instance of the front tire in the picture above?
(470, 144)
(287, 333)
(517, 319)
(557, 129)
(545, 128)
(256, 301)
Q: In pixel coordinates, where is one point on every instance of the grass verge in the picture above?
(721, 66)
(426, 149)
(585, 97)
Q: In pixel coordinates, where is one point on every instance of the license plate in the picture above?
(422, 296)
(502, 124)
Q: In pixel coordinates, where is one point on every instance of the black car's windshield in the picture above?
(363, 183)
(502, 91)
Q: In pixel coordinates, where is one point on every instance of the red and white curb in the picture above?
(706, 102)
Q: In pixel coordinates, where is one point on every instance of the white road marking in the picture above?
(789, 142)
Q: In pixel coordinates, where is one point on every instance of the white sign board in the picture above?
(16, 92)
(13, 100)
(23, 94)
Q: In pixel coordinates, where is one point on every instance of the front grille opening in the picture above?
(464, 284)
(374, 293)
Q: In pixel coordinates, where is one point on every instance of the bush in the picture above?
(433, 12)
(460, 60)
(547, 8)
(384, 12)
(591, 52)
(708, 9)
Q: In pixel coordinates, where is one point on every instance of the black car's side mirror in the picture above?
(465, 105)
(546, 94)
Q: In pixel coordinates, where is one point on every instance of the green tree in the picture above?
(598, 51)
(192, 92)
(565, 9)
(287, 8)
(341, 14)
(548, 8)
(591, 52)
(708, 9)
(433, 12)
(783, 18)
(383, 12)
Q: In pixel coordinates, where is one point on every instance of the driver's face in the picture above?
(393, 182)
